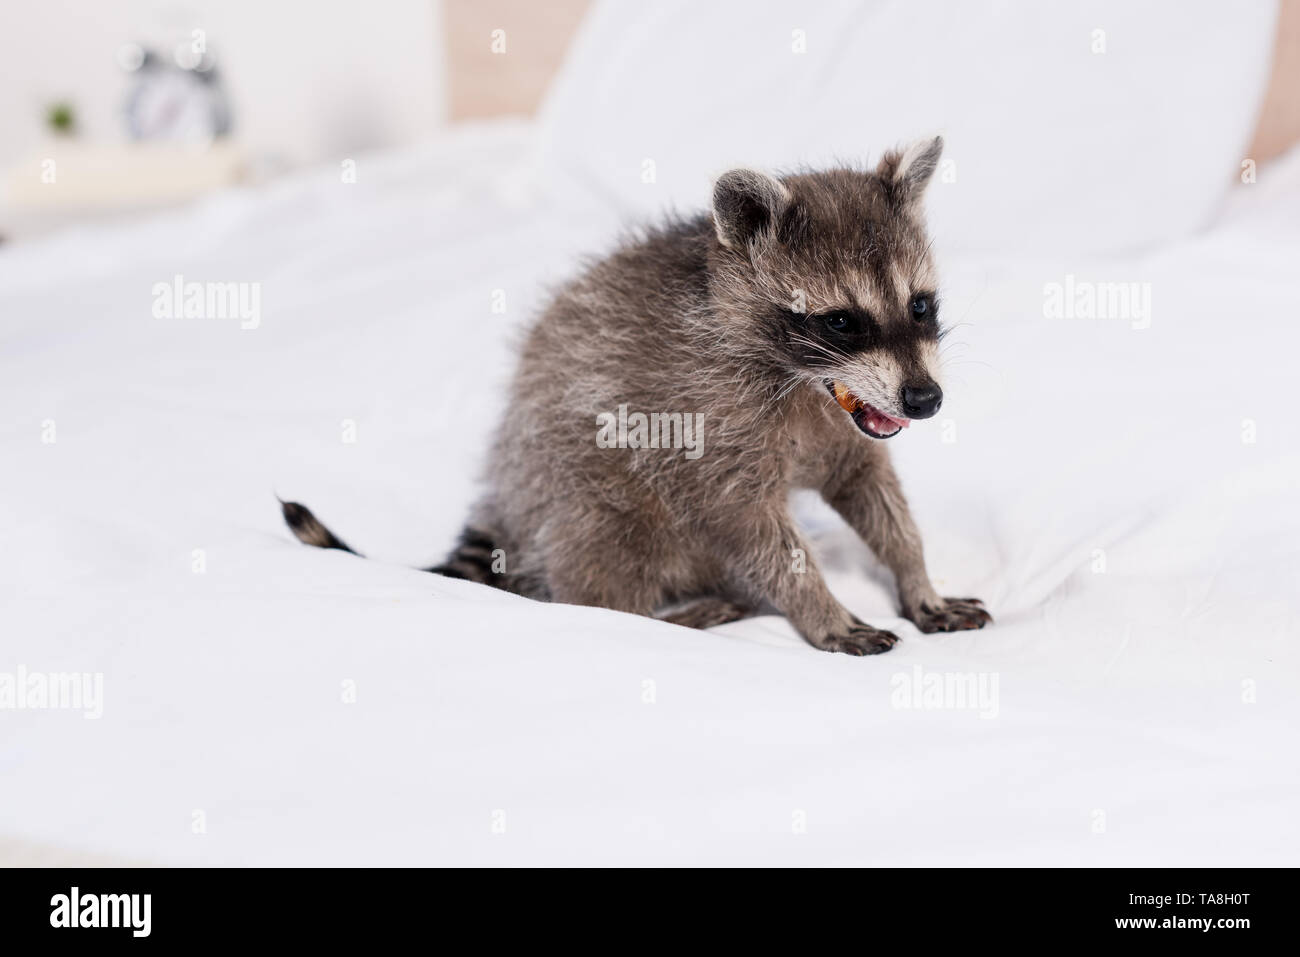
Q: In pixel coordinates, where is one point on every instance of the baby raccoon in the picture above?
(796, 326)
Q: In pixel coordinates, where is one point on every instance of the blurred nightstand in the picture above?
(71, 182)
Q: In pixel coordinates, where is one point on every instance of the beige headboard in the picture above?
(482, 82)
(1279, 116)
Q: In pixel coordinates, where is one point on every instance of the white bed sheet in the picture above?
(1146, 714)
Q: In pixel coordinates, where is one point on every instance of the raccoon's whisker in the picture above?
(955, 356)
(980, 362)
(789, 385)
(821, 347)
(920, 261)
(955, 346)
(947, 330)
(971, 304)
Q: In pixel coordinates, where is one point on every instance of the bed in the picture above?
(1120, 490)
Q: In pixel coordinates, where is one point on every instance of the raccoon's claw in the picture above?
(951, 614)
(861, 639)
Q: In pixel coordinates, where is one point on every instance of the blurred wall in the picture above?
(502, 54)
(308, 79)
(318, 79)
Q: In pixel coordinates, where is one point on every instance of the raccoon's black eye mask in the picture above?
(823, 338)
(827, 336)
(849, 322)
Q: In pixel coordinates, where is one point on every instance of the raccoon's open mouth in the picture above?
(872, 422)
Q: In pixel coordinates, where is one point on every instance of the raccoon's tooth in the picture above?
(848, 402)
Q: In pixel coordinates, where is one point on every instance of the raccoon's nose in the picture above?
(923, 402)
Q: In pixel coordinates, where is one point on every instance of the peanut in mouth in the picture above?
(847, 400)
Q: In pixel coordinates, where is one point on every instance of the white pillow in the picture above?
(1097, 127)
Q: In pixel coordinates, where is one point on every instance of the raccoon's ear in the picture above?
(910, 170)
(745, 203)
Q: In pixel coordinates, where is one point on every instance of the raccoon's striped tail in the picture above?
(308, 529)
(471, 559)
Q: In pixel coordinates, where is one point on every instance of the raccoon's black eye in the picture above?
(922, 307)
(839, 321)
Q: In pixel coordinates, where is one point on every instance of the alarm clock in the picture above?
(168, 102)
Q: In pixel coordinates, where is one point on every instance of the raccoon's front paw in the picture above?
(950, 614)
(860, 639)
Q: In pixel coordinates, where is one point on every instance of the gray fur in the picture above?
(681, 319)
(724, 314)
